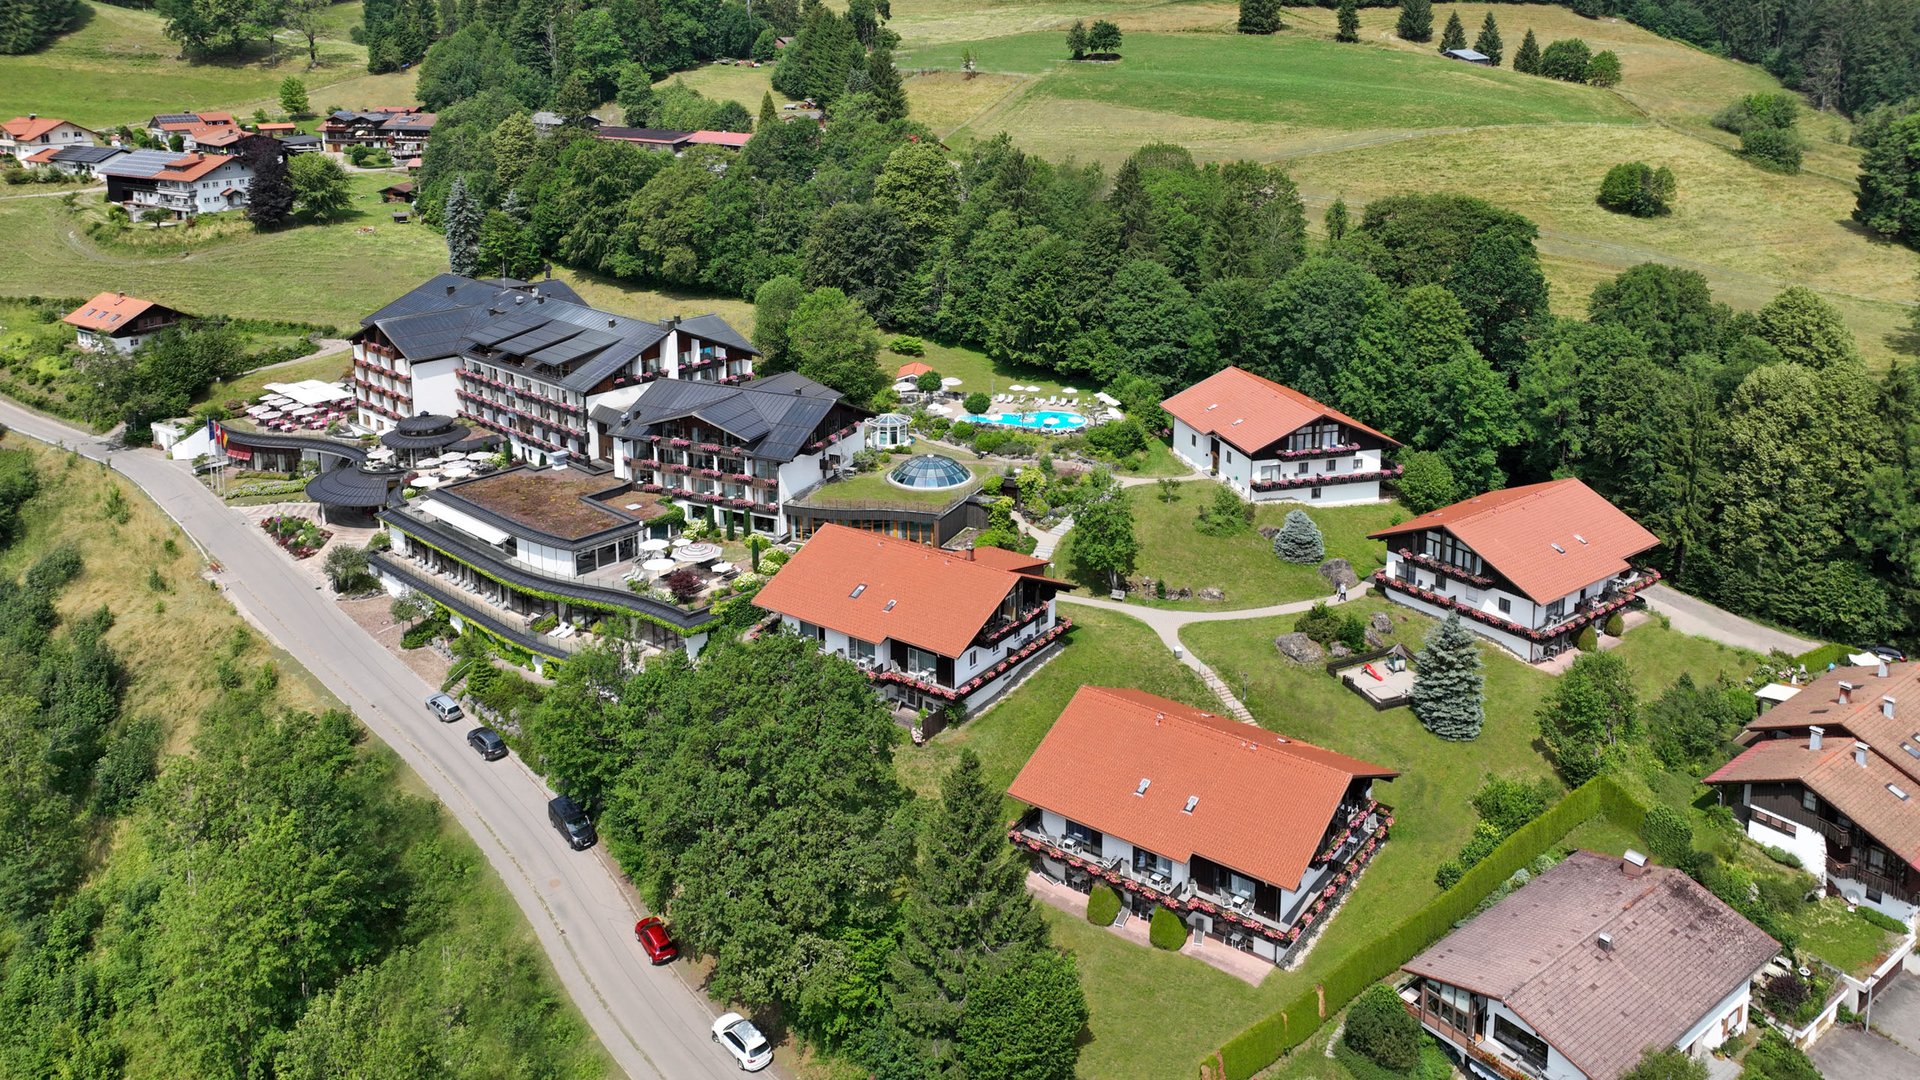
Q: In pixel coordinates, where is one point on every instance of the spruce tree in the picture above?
(1416, 20)
(966, 915)
(1527, 60)
(1489, 40)
(462, 216)
(883, 82)
(769, 116)
(270, 195)
(1298, 540)
(1349, 22)
(1260, 16)
(1448, 690)
(1455, 35)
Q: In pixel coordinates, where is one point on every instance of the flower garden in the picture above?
(301, 538)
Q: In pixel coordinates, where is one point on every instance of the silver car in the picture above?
(444, 708)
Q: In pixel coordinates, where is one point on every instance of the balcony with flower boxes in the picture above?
(998, 630)
(834, 437)
(1447, 568)
(520, 392)
(885, 671)
(1622, 591)
(1339, 450)
(370, 364)
(712, 498)
(550, 424)
(1289, 483)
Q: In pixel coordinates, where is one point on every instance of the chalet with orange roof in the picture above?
(181, 184)
(24, 136)
(931, 628)
(1250, 837)
(114, 320)
(1833, 776)
(1271, 442)
(165, 126)
(1526, 567)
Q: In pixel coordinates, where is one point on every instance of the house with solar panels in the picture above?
(75, 160)
(737, 452)
(179, 184)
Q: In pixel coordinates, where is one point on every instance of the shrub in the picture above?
(1566, 60)
(907, 346)
(977, 403)
(1507, 804)
(1882, 920)
(1636, 188)
(1225, 514)
(1785, 994)
(1775, 149)
(544, 623)
(421, 633)
(684, 584)
(1379, 1027)
(1320, 623)
(1777, 1059)
(1616, 625)
(1103, 905)
(961, 431)
(1353, 632)
(1587, 641)
(989, 440)
(1121, 439)
(1166, 931)
(1784, 857)
(1776, 110)
(775, 559)
(1668, 834)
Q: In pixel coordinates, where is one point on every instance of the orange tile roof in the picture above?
(909, 371)
(1250, 412)
(1859, 791)
(108, 311)
(1010, 560)
(1265, 800)
(26, 129)
(1550, 540)
(215, 117)
(215, 134)
(926, 597)
(192, 167)
(278, 127)
(42, 157)
(735, 139)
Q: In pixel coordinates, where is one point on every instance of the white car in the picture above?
(749, 1048)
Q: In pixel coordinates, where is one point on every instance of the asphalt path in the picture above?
(650, 1020)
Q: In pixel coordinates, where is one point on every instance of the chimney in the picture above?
(1633, 864)
(1860, 753)
(451, 288)
(33, 116)
(1813, 736)
(1883, 669)
(1605, 941)
(1846, 693)
(969, 551)
(1886, 706)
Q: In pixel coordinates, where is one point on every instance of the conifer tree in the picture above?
(1455, 35)
(1298, 540)
(1448, 689)
(769, 116)
(1259, 16)
(462, 216)
(1349, 16)
(1527, 60)
(883, 82)
(1077, 40)
(270, 196)
(1337, 221)
(1416, 20)
(966, 915)
(1489, 40)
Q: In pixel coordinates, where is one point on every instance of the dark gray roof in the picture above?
(90, 154)
(425, 432)
(634, 134)
(176, 118)
(572, 344)
(716, 329)
(605, 414)
(430, 335)
(773, 417)
(141, 164)
(355, 487)
(300, 140)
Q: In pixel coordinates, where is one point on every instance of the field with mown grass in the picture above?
(118, 68)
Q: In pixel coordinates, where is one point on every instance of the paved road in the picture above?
(653, 1024)
(1691, 615)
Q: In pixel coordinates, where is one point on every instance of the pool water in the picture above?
(1046, 420)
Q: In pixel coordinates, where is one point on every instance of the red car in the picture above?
(653, 938)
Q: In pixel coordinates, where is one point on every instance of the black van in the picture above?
(572, 823)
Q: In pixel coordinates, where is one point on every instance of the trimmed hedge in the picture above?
(1882, 920)
(1262, 1044)
(1103, 905)
(1166, 931)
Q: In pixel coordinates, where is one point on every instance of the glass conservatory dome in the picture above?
(930, 471)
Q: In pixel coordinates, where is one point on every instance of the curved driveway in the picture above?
(652, 1023)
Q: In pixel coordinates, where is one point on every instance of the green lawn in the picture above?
(1243, 566)
(251, 385)
(874, 489)
(118, 68)
(1841, 938)
(1297, 79)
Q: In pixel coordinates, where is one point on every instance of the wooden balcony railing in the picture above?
(1468, 1045)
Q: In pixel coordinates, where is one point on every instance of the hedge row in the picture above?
(1262, 1044)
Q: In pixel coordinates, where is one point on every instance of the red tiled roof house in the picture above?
(1833, 776)
(1584, 968)
(1250, 837)
(114, 320)
(1525, 567)
(1271, 442)
(24, 136)
(931, 628)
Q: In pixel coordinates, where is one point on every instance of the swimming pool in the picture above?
(1052, 420)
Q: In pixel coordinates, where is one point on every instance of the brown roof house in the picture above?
(1526, 567)
(1271, 442)
(1585, 968)
(1250, 837)
(114, 320)
(1833, 776)
(929, 627)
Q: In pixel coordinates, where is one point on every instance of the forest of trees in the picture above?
(28, 25)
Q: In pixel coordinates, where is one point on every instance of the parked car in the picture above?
(655, 940)
(445, 708)
(1888, 653)
(572, 823)
(487, 743)
(749, 1048)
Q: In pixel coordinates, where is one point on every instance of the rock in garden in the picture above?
(1382, 622)
(1339, 649)
(1212, 594)
(1375, 639)
(1339, 572)
(1299, 648)
(1269, 532)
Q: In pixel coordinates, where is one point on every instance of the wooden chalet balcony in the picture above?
(1509, 1068)
(1856, 871)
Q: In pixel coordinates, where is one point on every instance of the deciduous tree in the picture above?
(1259, 17)
(1589, 716)
(1104, 547)
(320, 188)
(834, 343)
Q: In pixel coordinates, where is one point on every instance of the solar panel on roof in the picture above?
(566, 352)
(501, 329)
(539, 337)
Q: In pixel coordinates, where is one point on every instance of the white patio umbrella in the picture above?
(658, 566)
(427, 463)
(950, 381)
(427, 481)
(655, 544)
(479, 455)
(270, 414)
(456, 472)
(698, 553)
(682, 541)
(1068, 390)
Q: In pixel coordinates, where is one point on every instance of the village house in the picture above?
(1579, 972)
(74, 160)
(1830, 775)
(114, 320)
(403, 131)
(26, 135)
(1270, 442)
(932, 629)
(537, 557)
(1252, 838)
(546, 122)
(1526, 567)
(734, 452)
(646, 138)
(183, 185)
(165, 126)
